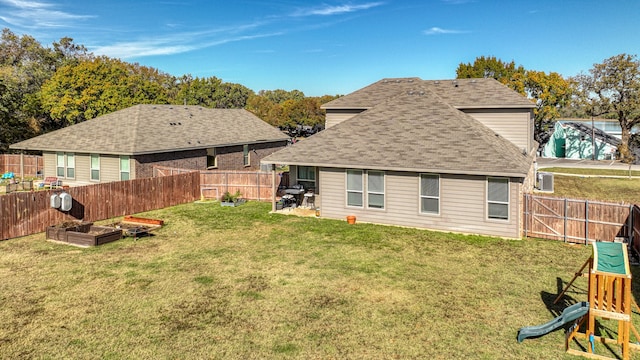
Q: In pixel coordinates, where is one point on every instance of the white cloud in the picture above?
(439, 31)
(174, 44)
(35, 14)
(336, 10)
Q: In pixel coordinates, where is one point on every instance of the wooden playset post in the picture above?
(609, 296)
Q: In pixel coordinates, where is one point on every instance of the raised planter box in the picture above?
(59, 232)
(139, 220)
(97, 235)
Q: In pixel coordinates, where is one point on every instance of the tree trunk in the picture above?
(623, 148)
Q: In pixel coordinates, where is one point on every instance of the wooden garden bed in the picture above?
(59, 232)
(97, 235)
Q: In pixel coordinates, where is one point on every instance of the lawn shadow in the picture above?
(556, 308)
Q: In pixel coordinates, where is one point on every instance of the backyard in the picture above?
(220, 282)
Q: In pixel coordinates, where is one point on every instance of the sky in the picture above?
(334, 47)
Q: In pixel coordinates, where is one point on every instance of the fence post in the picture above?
(526, 214)
(566, 210)
(258, 183)
(586, 222)
(630, 224)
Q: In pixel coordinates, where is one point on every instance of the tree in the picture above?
(550, 92)
(98, 86)
(613, 88)
(490, 67)
(212, 93)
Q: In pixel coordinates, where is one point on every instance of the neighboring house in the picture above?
(575, 140)
(451, 155)
(128, 143)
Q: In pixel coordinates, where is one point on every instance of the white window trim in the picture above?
(508, 202)
(346, 186)
(245, 149)
(420, 196)
(91, 168)
(61, 155)
(120, 158)
(383, 193)
(67, 167)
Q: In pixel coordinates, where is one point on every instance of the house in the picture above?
(576, 140)
(128, 143)
(450, 155)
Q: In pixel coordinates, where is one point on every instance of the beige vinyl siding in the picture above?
(335, 117)
(515, 125)
(109, 168)
(49, 167)
(463, 204)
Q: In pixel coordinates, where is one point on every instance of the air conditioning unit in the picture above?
(545, 181)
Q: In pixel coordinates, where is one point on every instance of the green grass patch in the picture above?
(592, 171)
(593, 188)
(240, 283)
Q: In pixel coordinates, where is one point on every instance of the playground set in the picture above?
(609, 297)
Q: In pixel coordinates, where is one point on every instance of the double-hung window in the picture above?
(498, 198)
(95, 167)
(65, 165)
(71, 166)
(429, 194)
(375, 189)
(125, 172)
(245, 155)
(355, 188)
(60, 164)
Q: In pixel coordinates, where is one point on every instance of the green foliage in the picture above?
(211, 92)
(613, 88)
(550, 92)
(288, 109)
(24, 66)
(98, 86)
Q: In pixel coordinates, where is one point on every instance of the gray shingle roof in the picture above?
(413, 131)
(145, 129)
(460, 93)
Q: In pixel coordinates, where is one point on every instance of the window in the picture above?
(71, 166)
(212, 158)
(498, 198)
(124, 167)
(429, 194)
(375, 189)
(95, 167)
(354, 188)
(306, 176)
(245, 155)
(60, 164)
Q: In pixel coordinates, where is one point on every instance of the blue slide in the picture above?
(569, 314)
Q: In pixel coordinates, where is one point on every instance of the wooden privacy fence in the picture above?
(578, 221)
(11, 163)
(253, 185)
(26, 213)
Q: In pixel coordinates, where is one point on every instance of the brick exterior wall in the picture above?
(229, 158)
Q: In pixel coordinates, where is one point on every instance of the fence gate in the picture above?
(577, 221)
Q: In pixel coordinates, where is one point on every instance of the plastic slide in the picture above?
(569, 314)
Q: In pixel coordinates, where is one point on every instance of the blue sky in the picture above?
(334, 46)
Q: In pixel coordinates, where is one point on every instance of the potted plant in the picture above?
(229, 199)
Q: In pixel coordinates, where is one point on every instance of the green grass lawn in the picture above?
(592, 187)
(240, 283)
